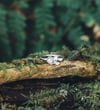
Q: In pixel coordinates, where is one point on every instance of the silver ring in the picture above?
(53, 59)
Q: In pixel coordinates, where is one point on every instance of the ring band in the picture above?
(52, 58)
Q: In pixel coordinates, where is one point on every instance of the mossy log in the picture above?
(50, 86)
(19, 70)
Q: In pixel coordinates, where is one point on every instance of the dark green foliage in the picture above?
(5, 51)
(43, 16)
(47, 25)
(16, 24)
(67, 21)
(76, 32)
(12, 37)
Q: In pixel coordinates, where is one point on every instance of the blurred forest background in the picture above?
(28, 26)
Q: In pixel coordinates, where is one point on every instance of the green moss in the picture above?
(76, 96)
(43, 97)
(4, 67)
(92, 54)
(87, 95)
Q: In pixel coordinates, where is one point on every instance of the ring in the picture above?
(52, 58)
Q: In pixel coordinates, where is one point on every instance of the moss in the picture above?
(87, 95)
(72, 96)
(92, 54)
(44, 98)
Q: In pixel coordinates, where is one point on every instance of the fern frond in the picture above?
(74, 4)
(16, 25)
(44, 17)
(74, 34)
(5, 52)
